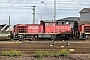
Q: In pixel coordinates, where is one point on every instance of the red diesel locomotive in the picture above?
(52, 30)
(44, 30)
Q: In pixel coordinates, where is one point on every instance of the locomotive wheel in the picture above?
(53, 37)
(33, 38)
(88, 37)
(21, 38)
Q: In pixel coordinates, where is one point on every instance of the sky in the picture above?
(20, 11)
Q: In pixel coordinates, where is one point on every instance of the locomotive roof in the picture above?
(48, 21)
(70, 19)
(25, 24)
(67, 19)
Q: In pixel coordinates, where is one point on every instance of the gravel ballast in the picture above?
(29, 57)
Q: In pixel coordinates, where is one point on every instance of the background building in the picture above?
(85, 14)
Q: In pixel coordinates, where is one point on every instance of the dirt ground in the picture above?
(69, 57)
(82, 49)
(30, 47)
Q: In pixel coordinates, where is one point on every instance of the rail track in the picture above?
(30, 47)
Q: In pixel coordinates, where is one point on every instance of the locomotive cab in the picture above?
(83, 29)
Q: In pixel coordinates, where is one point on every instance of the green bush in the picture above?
(40, 54)
(46, 53)
(52, 53)
(11, 53)
(64, 52)
(57, 54)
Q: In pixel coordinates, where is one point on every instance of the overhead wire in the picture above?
(26, 5)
